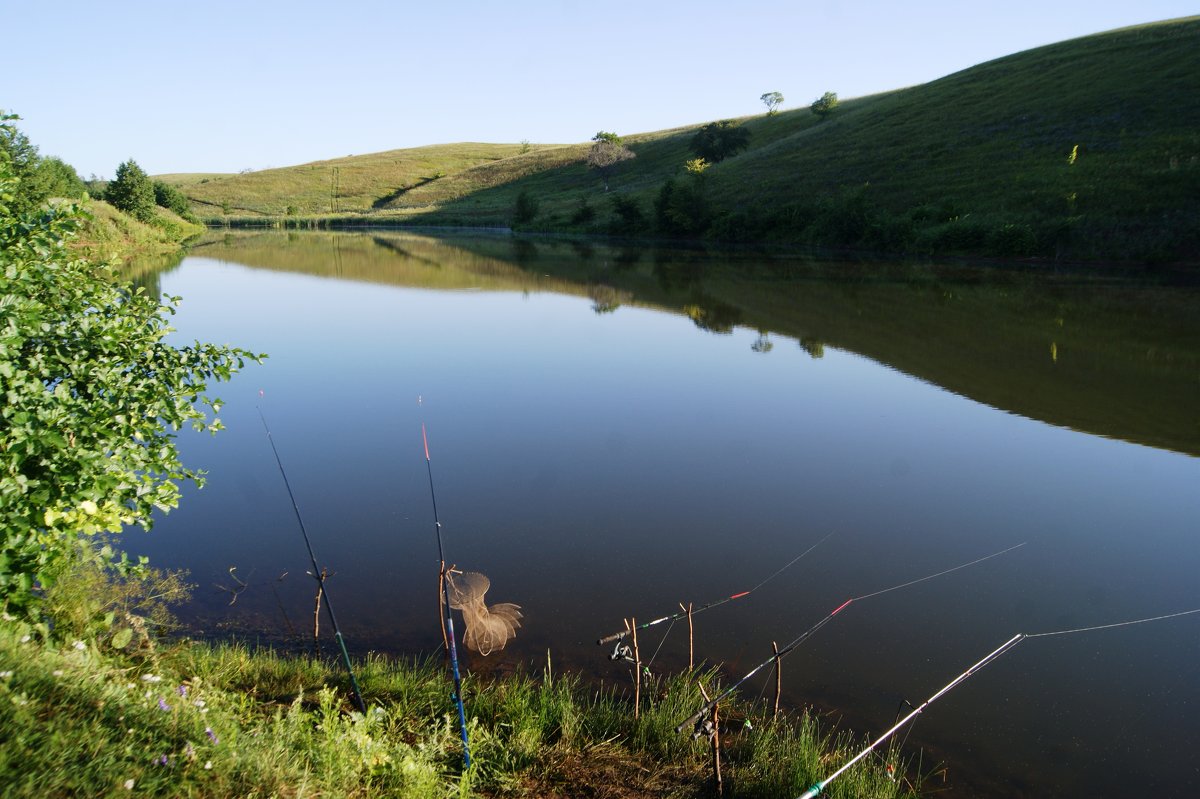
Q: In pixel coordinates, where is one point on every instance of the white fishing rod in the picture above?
(697, 718)
(991, 656)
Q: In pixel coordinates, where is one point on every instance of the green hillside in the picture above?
(1084, 149)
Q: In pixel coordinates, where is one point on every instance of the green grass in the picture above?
(82, 719)
(110, 235)
(976, 162)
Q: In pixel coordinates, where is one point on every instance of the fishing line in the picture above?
(608, 639)
(447, 616)
(986, 661)
(316, 571)
(804, 636)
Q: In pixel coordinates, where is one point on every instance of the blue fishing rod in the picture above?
(317, 573)
(444, 611)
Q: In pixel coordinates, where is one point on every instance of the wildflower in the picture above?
(129, 785)
(208, 764)
(162, 705)
(4, 675)
(199, 703)
(57, 672)
(163, 761)
(79, 645)
(7, 617)
(25, 639)
(183, 691)
(212, 736)
(190, 751)
(151, 678)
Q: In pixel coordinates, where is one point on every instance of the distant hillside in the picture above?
(1084, 149)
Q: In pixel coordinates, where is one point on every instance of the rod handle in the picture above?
(608, 639)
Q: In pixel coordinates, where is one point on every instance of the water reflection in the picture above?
(599, 456)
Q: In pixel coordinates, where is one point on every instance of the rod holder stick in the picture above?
(637, 671)
(691, 640)
(778, 678)
(715, 742)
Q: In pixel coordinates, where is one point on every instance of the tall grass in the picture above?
(80, 718)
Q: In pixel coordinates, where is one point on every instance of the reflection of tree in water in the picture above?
(583, 250)
(763, 343)
(674, 271)
(524, 251)
(714, 316)
(606, 299)
(627, 259)
(813, 346)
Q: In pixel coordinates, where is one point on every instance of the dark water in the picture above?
(616, 430)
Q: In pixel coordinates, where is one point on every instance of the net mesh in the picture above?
(489, 629)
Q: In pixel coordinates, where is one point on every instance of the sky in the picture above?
(226, 86)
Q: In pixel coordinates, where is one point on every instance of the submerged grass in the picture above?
(83, 719)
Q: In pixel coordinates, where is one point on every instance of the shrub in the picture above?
(525, 209)
(132, 192)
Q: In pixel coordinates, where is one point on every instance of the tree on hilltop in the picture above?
(825, 104)
(606, 152)
(772, 100)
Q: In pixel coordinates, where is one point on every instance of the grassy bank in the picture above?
(1085, 149)
(186, 719)
(110, 235)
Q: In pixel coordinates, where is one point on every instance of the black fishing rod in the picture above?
(608, 639)
(702, 713)
(819, 786)
(447, 616)
(317, 573)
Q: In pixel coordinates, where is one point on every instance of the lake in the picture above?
(617, 429)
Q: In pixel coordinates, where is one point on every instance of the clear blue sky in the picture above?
(224, 86)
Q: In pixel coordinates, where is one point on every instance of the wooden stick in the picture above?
(715, 740)
(691, 648)
(317, 614)
(637, 670)
(442, 608)
(778, 678)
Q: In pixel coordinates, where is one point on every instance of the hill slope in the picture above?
(1088, 148)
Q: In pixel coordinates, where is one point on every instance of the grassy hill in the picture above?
(1088, 148)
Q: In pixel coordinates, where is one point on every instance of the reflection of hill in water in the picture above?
(1108, 355)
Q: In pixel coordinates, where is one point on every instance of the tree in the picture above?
(606, 152)
(525, 209)
(131, 191)
(171, 198)
(93, 394)
(772, 100)
(21, 157)
(824, 105)
(59, 179)
(717, 141)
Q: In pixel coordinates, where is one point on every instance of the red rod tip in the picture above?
(844, 604)
(425, 440)
(735, 596)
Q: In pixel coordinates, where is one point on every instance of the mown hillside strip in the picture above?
(1085, 149)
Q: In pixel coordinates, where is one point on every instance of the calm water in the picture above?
(614, 431)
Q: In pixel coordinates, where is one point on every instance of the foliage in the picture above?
(132, 191)
(171, 198)
(772, 100)
(584, 212)
(717, 141)
(93, 396)
(824, 105)
(630, 218)
(525, 209)
(38, 178)
(606, 152)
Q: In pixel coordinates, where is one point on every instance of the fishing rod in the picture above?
(317, 573)
(447, 617)
(987, 659)
(608, 639)
(695, 718)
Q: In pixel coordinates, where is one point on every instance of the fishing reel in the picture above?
(704, 728)
(622, 651)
